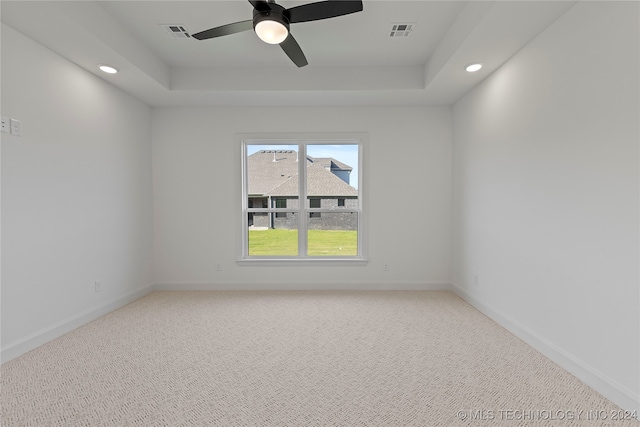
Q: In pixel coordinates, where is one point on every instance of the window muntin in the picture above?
(327, 180)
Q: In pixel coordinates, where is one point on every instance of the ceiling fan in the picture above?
(271, 23)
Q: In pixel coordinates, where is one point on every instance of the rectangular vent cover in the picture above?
(176, 31)
(401, 30)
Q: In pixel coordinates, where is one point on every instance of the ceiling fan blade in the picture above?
(224, 30)
(293, 51)
(323, 10)
(260, 5)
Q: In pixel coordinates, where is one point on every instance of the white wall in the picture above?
(76, 195)
(196, 164)
(545, 196)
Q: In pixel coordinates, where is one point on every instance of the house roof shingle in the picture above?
(275, 173)
(331, 163)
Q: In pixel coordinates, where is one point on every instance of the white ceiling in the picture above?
(352, 59)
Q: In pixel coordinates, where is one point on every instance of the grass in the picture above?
(332, 242)
(273, 242)
(320, 242)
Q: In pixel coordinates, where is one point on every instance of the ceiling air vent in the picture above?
(401, 30)
(176, 31)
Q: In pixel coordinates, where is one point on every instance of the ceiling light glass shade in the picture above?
(108, 69)
(271, 32)
(472, 68)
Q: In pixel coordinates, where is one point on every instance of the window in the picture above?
(281, 204)
(313, 204)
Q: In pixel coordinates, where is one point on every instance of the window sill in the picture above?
(283, 262)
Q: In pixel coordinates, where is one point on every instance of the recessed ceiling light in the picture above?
(472, 68)
(108, 69)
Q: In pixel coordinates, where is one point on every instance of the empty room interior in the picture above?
(466, 250)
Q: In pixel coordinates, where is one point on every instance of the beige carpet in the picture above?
(294, 359)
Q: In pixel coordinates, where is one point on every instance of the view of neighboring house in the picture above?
(272, 179)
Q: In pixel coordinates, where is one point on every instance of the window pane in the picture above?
(272, 172)
(284, 221)
(265, 240)
(332, 174)
(333, 234)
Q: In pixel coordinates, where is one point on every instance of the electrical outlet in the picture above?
(98, 286)
(386, 267)
(4, 124)
(16, 127)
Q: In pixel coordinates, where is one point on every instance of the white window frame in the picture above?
(303, 140)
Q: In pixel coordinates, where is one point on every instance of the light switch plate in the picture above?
(16, 127)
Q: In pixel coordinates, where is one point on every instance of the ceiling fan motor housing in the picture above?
(276, 13)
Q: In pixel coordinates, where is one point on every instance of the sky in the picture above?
(347, 154)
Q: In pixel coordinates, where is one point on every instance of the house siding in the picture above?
(325, 221)
(334, 221)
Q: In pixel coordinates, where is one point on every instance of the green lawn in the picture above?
(285, 242)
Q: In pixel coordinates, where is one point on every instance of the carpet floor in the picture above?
(295, 359)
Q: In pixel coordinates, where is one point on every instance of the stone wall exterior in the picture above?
(318, 220)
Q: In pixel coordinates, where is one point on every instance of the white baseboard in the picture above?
(17, 348)
(595, 379)
(209, 286)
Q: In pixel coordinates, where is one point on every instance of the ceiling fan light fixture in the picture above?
(271, 31)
